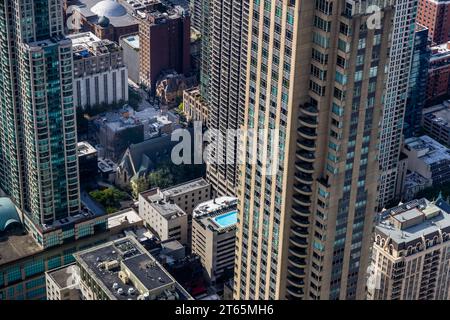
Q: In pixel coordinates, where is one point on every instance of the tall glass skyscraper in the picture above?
(38, 143)
(316, 75)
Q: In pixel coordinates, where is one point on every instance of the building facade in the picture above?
(214, 236)
(130, 46)
(428, 158)
(165, 219)
(411, 253)
(316, 76)
(438, 82)
(164, 41)
(223, 88)
(395, 99)
(417, 83)
(435, 15)
(38, 142)
(436, 122)
(101, 77)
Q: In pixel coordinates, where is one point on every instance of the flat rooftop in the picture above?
(84, 148)
(430, 150)
(215, 206)
(164, 208)
(17, 245)
(439, 114)
(132, 41)
(126, 216)
(189, 186)
(407, 223)
(128, 255)
(64, 275)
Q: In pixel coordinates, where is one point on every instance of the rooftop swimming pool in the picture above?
(226, 219)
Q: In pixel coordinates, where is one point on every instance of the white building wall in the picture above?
(85, 91)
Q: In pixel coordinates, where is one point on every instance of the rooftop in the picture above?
(128, 216)
(15, 245)
(218, 214)
(439, 114)
(428, 150)
(185, 187)
(87, 44)
(215, 206)
(165, 208)
(126, 271)
(132, 41)
(85, 148)
(63, 276)
(409, 222)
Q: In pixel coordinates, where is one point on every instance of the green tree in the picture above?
(109, 198)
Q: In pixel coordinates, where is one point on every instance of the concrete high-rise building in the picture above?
(101, 76)
(38, 142)
(164, 43)
(411, 253)
(224, 51)
(395, 97)
(316, 76)
(435, 15)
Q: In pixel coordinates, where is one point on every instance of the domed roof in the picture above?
(103, 21)
(8, 213)
(109, 8)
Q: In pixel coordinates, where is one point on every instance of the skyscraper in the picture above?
(38, 155)
(394, 101)
(316, 75)
(418, 77)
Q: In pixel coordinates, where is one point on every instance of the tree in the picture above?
(109, 198)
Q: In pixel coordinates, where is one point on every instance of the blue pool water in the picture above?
(226, 219)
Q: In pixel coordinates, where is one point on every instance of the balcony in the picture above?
(307, 133)
(298, 262)
(302, 200)
(296, 282)
(306, 144)
(296, 272)
(295, 292)
(301, 221)
(303, 189)
(299, 242)
(300, 231)
(304, 178)
(305, 156)
(301, 210)
(309, 122)
(304, 166)
(298, 252)
(309, 110)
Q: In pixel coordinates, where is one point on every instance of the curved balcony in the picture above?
(309, 110)
(300, 231)
(305, 156)
(301, 210)
(304, 178)
(301, 221)
(296, 282)
(295, 292)
(296, 272)
(298, 252)
(303, 189)
(306, 144)
(299, 241)
(297, 262)
(309, 122)
(302, 200)
(307, 133)
(305, 167)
